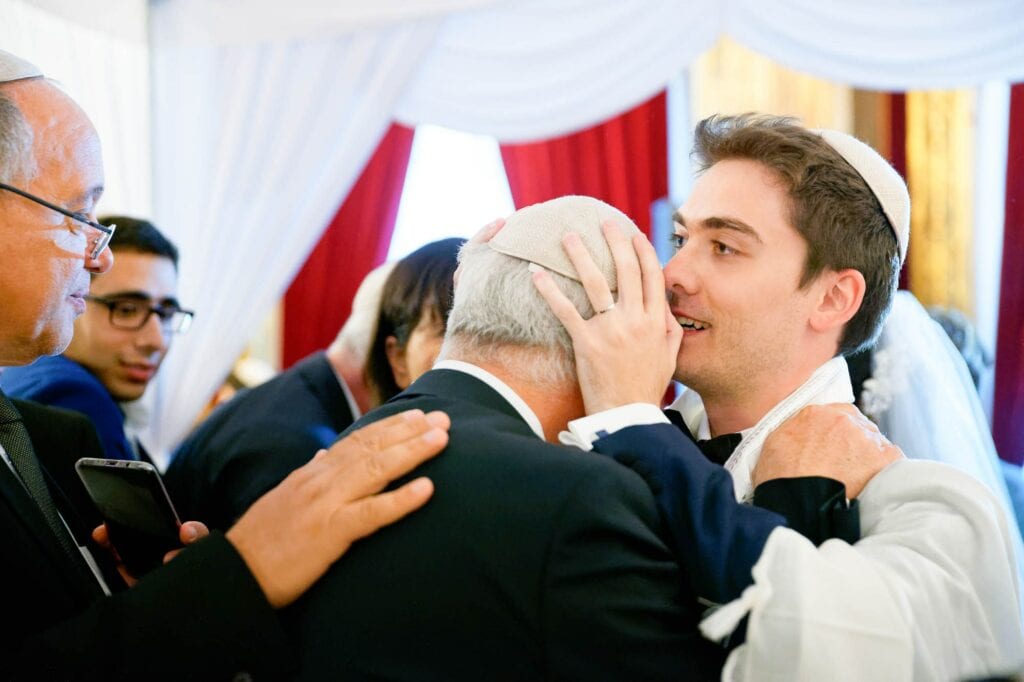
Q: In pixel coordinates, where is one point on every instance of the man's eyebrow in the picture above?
(720, 223)
(133, 295)
(169, 301)
(717, 223)
(142, 296)
(93, 193)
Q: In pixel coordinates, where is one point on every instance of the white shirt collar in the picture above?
(830, 383)
(503, 389)
(353, 406)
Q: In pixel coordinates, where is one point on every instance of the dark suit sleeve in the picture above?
(202, 616)
(614, 606)
(717, 539)
(250, 474)
(217, 485)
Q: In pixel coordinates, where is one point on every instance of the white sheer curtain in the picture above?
(106, 72)
(992, 126)
(255, 148)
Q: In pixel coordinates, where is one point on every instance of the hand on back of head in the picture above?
(626, 352)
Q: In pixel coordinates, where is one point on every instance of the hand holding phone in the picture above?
(133, 502)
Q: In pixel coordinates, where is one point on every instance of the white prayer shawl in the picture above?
(929, 593)
(830, 383)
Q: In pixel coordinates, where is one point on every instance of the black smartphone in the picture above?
(133, 502)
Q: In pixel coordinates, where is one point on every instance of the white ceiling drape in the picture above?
(529, 69)
(887, 44)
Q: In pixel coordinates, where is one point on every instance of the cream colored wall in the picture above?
(940, 166)
(732, 79)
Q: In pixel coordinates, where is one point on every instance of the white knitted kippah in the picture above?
(886, 184)
(534, 234)
(14, 68)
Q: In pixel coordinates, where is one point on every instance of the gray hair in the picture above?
(499, 316)
(17, 163)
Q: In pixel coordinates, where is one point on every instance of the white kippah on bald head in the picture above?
(534, 234)
(883, 180)
(14, 68)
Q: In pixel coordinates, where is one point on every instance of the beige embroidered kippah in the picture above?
(886, 184)
(534, 234)
(14, 68)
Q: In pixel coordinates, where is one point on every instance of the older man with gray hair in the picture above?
(533, 560)
(209, 612)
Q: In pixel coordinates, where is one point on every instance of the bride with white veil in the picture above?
(923, 399)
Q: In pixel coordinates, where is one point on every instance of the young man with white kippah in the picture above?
(787, 257)
(534, 560)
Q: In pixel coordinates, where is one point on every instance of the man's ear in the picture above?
(396, 358)
(840, 296)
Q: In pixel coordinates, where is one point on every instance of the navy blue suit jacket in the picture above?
(60, 382)
(717, 539)
(250, 444)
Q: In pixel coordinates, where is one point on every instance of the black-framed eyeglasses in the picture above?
(106, 231)
(132, 314)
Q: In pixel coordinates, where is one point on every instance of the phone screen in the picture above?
(140, 519)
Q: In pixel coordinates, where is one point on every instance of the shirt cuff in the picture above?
(584, 431)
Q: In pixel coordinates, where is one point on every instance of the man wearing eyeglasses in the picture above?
(208, 613)
(131, 315)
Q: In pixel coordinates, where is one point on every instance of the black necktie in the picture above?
(719, 449)
(15, 440)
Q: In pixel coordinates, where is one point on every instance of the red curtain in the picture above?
(898, 156)
(320, 297)
(1008, 417)
(623, 161)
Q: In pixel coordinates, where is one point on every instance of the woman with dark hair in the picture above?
(413, 314)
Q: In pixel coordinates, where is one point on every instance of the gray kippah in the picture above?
(534, 234)
(14, 68)
(886, 184)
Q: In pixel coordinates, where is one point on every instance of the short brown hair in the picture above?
(831, 207)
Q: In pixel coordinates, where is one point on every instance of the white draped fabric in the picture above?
(265, 112)
(535, 69)
(923, 596)
(886, 45)
(107, 73)
(538, 68)
(913, 362)
(247, 22)
(256, 146)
